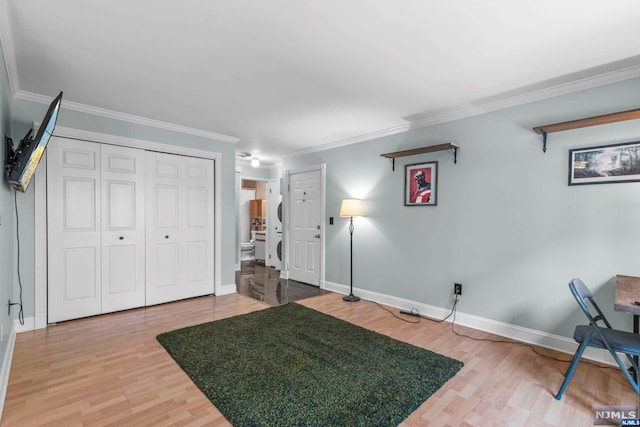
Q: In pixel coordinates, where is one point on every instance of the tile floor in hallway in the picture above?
(263, 283)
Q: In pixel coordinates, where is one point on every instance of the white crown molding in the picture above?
(6, 40)
(352, 140)
(533, 96)
(102, 112)
(566, 88)
(590, 82)
(124, 141)
(599, 79)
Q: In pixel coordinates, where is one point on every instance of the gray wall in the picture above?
(507, 225)
(24, 113)
(259, 174)
(7, 225)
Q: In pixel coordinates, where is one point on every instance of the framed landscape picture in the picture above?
(421, 184)
(605, 164)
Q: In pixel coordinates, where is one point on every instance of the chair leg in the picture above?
(573, 366)
(631, 378)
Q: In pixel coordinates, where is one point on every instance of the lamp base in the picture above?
(351, 298)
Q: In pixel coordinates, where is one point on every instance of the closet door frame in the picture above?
(40, 195)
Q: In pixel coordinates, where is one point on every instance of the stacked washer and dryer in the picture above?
(278, 229)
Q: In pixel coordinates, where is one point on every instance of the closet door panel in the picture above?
(80, 273)
(197, 230)
(73, 229)
(163, 228)
(196, 257)
(179, 227)
(166, 265)
(123, 231)
(120, 274)
(166, 207)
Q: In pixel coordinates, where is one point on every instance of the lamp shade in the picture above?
(351, 207)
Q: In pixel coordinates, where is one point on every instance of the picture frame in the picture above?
(421, 184)
(605, 164)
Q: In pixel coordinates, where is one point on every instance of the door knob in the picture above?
(166, 237)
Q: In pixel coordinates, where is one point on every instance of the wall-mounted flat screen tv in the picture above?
(22, 162)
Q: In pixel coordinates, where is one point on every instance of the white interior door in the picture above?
(179, 220)
(304, 226)
(74, 228)
(123, 229)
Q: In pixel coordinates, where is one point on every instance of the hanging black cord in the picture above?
(453, 321)
(21, 312)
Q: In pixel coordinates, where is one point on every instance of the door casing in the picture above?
(287, 216)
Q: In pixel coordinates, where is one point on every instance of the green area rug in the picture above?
(294, 366)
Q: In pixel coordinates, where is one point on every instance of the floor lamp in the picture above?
(351, 208)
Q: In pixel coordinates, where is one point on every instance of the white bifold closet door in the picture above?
(179, 211)
(126, 228)
(96, 233)
(123, 228)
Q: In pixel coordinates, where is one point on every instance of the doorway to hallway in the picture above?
(264, 283)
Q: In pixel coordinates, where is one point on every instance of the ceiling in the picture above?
(289, 76)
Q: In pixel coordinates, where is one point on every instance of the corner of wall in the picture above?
(5, 368)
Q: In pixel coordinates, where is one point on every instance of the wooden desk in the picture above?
(628, 291)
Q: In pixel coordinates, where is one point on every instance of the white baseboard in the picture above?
(40, 321)
(518, 333)
(6, 368)
(29, 325)
(226, 289)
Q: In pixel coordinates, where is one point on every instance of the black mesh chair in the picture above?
(605, 337)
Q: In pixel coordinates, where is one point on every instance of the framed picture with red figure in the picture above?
(421, 184)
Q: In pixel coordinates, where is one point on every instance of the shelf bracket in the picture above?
(544, 140)
(430, 149)
(581, 123)
(454, 150)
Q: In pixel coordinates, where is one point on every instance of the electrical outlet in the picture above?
(457, 289)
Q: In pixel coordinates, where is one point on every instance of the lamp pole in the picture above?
(351, 297)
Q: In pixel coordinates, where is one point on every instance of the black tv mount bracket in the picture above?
(10, 152)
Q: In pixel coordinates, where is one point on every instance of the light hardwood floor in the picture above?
(111, 371)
